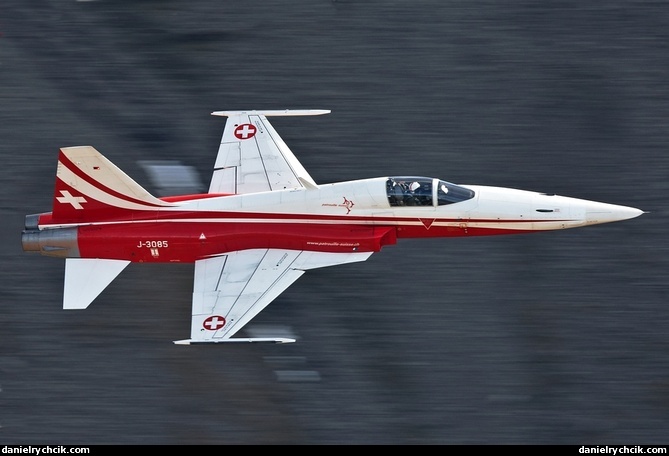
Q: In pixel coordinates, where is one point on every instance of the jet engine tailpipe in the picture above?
(56, 242)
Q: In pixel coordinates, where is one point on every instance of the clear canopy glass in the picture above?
(424, 191)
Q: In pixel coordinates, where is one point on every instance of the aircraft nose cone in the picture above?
(605, 213)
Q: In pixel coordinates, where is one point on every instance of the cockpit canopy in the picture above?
(424, 191)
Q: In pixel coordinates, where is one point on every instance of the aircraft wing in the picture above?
(252, 156)
(229, 290)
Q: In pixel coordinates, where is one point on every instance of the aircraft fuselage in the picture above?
(354, 216)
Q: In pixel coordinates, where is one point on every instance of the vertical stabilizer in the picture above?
(89, 187)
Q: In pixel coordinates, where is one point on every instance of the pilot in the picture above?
(410, 196)
(396, 194)
(422, 193)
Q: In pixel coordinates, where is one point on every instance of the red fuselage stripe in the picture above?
(234, 216)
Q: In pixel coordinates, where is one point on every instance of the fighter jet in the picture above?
(264, 222)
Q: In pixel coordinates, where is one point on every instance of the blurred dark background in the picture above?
(553, 338)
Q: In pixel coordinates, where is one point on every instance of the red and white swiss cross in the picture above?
(213, 323)
(245, 131)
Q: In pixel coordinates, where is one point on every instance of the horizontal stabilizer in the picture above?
(267, 340)
(86, 278)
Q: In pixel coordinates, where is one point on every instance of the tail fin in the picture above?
(89, 187)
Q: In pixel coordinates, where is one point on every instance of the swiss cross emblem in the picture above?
(214, 323)
(245, 131)
(68, 198)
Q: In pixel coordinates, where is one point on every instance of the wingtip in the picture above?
(274, 113)
(266, 340)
